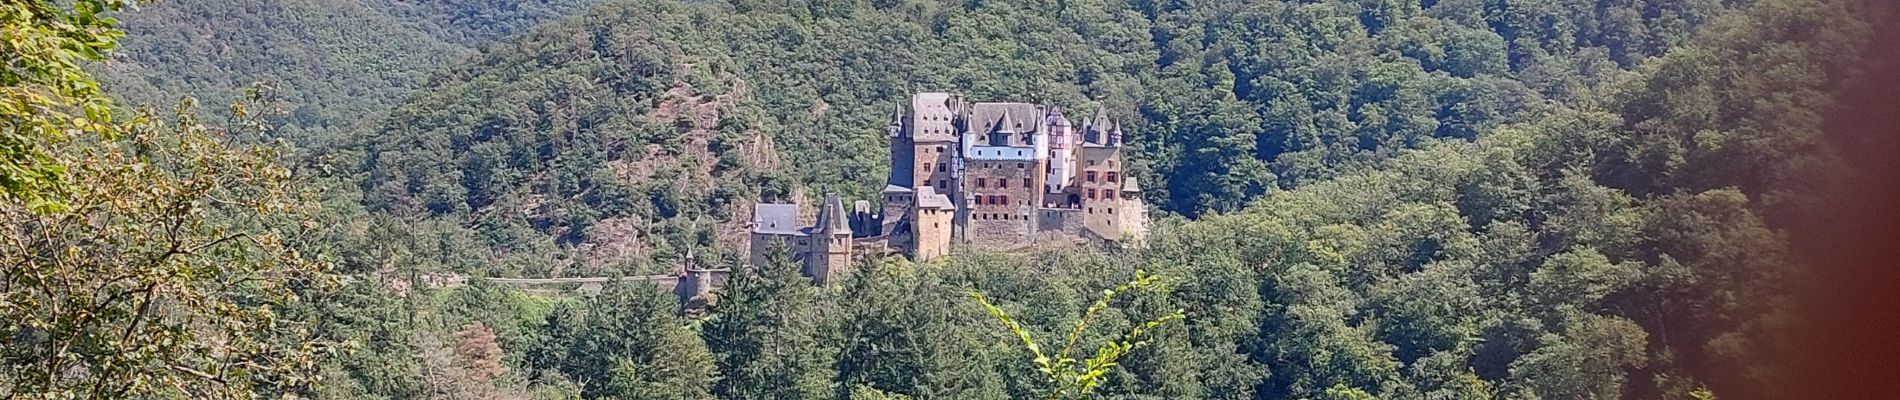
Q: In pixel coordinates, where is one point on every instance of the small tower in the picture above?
(903, 152)
(1061, 157)
(831, 242)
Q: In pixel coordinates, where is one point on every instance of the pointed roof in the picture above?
(1056, 118)
(1006, 125)
(831, 218)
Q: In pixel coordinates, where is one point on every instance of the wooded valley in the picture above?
(1353, 199)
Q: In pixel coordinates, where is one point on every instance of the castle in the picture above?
(996, 175)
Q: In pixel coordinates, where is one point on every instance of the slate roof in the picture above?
(985, 116)
(832, 218)
(776, 219)
(1096, 131)
(933, 117)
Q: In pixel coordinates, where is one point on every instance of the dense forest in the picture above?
(1390, 199)
(333, 63)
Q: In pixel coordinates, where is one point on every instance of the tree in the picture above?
(1066, 376)
(46, 96)
(772, 335)
(166, 272)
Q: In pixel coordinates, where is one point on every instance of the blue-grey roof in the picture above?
(776, 219)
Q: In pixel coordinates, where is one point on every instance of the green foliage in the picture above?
(772, 335)
(1392, 199)
(46, 96)
(1072, 378)
(167, 273)
(336, 62)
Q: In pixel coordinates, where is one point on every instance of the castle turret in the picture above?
(903, 151)
(830, 242)
(1096, 129)
(1061, 157)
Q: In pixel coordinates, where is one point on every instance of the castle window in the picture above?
(927, 166)
(1091, 163)
(1111, 163)
(943, 184)
(1108, 194)
(1091, 178)
(980, 183)
(1112, 175)
(1111, 210)
(939, 149)
(1002, 183)
(940, 167)
(1020, 166)
(1091, 192)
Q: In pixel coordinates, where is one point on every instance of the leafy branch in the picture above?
(1075, 379)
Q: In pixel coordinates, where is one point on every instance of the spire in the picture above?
(897, 120)
(831, 218)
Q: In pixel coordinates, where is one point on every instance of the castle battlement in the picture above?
(1000, 175)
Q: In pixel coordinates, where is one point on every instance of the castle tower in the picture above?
(831, 242)
(1061, 156)
(932, 225)
(1100, 184)
(903, 155)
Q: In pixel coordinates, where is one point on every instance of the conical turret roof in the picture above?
(831, 218)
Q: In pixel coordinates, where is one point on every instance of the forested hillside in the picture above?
(1450, 199)
(333, 63)
(567, 133)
